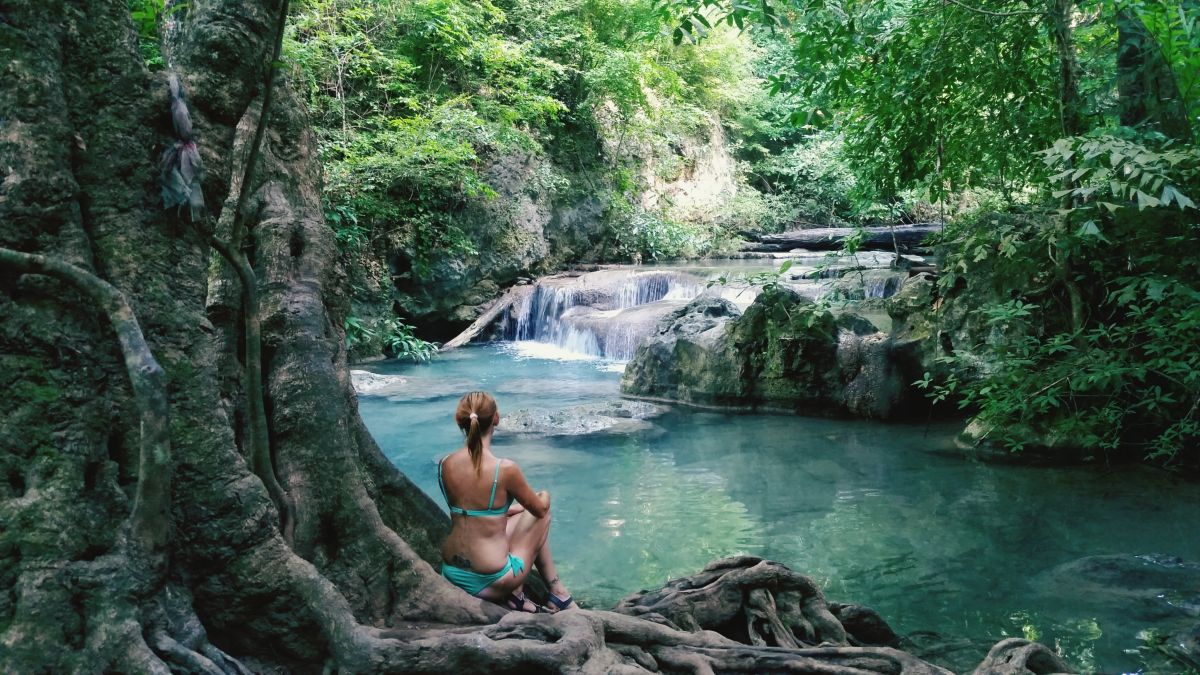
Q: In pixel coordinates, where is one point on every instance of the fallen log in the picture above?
(902, 237)
(508, 299)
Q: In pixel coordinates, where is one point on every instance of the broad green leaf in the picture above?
(1144, 200)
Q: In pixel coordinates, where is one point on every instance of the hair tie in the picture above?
(474, 416)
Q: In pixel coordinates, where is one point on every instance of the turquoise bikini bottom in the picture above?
(474, 582)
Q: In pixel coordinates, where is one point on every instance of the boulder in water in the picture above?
(688, 358)
(609, 417)
(784, 352)
(367, 383)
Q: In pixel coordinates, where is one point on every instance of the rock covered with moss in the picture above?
(783, 353)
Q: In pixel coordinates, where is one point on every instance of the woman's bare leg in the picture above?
(545, 565)
(526, 536)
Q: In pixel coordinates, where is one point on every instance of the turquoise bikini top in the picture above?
(498, 511)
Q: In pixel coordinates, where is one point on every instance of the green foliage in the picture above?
(1128, 375)
(412, 100)
(400, 342)
(1175, 27)
(391, 334)
(1086, 296)
(148, 17)
(814, 177)
(642, 235)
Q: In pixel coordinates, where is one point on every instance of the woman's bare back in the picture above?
(476, 543)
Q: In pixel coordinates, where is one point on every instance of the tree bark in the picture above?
(896, 238)
(260, 445)
(150, 519)
(1059, 15)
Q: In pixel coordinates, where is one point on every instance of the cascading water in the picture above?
(601, 314)
(606, 314)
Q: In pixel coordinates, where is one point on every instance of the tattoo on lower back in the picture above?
(459, 560)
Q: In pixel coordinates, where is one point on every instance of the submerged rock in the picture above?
(1185, 645)
(610, 417)
(367, 383)
(1145, 587)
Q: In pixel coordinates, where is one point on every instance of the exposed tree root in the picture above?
(765, 601)
(1015, 656)
(150, 520)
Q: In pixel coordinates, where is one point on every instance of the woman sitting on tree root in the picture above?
(490, 548)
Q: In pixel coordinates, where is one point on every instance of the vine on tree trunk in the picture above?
(150, 519)
(261, 461)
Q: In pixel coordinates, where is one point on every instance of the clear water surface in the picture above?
(875, 513)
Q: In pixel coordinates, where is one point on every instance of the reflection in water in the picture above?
(932, 542)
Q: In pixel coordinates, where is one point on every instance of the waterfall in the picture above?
(606, 314)
(601, 314)
(882, 285)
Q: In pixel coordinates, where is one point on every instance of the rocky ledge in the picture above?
(367, 383)
(608, 417)
(783, 353)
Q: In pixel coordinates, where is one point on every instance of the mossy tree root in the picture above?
(150, 519)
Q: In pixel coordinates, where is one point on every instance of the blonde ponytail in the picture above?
(475, 414)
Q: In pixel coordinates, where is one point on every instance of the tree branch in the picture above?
(977, 10)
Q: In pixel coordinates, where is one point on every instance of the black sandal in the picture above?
(560, 604)
(517, 602)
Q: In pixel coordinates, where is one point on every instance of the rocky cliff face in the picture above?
(691, 177)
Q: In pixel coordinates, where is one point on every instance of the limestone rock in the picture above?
(782, 353)
(689, 359)
(367, 383)
(610, 417)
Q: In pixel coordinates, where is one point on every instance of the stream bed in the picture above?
(880, 515)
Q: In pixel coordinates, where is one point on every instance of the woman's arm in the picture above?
(537, 503)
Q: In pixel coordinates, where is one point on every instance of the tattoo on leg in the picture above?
(459, 560)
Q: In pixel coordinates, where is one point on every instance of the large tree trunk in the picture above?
(82, 123)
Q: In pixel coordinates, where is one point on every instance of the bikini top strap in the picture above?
(495, 479)
(442, 484)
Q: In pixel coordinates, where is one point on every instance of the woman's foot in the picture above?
(517, 602)
(558, 597)
(558, 604)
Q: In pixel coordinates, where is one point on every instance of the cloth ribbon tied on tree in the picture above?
(182, 169)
